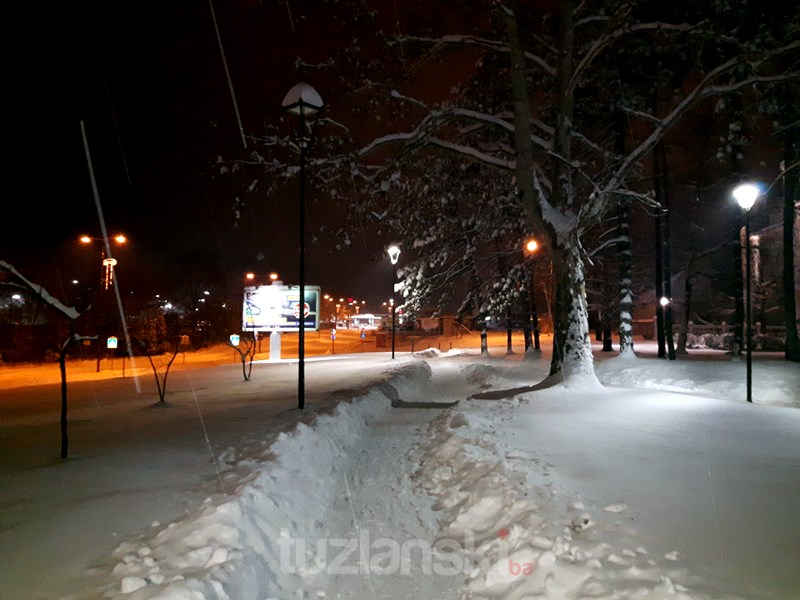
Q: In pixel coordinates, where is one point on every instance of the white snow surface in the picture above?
(663, 483)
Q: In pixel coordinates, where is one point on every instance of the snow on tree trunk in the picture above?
(625, 256)
(625, 291)
(572, 355)
(572, 352)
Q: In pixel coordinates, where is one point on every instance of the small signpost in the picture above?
(363, 336)
(234, 339)
(111, 344)
(333, 341)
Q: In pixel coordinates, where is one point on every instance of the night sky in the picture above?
(148, 82)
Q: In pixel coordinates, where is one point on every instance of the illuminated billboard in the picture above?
(277, 308)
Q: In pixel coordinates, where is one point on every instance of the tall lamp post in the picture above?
(531, 247)
(394, 255)
(302, 100)
(746, 195)
(108, 262)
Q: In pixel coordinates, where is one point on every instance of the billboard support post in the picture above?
(275, 345)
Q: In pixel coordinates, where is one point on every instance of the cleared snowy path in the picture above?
(378, 507)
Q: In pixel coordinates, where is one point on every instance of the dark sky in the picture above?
(147, 81)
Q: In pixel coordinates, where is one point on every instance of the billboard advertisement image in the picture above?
(277, 308)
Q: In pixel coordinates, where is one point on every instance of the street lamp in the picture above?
(302, 100)
(104, 310)
(531, 247)
(273, 277)
(108, 262)
(394, 255)
(746, 195)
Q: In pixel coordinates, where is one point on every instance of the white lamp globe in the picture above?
(746, 195)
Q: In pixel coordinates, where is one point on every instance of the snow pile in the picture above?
(528, 539)
(483, 375)
(231, 547)
(774, 381)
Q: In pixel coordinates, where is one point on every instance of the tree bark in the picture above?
(660, 337)
(572, 352)
(572, 348)
(687, 306)
(659, 248)
(523, 169)
(668, 334)
(62, 365)
(791, 189)
(625, 256)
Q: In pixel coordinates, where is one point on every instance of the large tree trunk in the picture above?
(522, 123)
(625, 256)
(790, 193)
(572, 348)
(659, 251)
(572, 351)
(667, 267)
(687, 306)
(625, 282)
(737, 254)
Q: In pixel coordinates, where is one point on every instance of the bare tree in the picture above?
(246, 348)
(161, 346)
(70, 313)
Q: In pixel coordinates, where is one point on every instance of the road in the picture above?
(128, 450)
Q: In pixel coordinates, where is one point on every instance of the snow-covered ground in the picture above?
(662, 484)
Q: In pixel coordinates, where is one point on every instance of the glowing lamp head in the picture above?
(746, 195)
(664, 301)
(394, 253)
(531, 246)
(250, 276)
(85, 239)
(302, 99)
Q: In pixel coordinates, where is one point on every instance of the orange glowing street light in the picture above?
(87, 239)
(108, 263)
(250, 276)
(531, 247)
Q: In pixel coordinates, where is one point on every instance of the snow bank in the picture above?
(528, 539)
(230, 547)
(773, 382)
